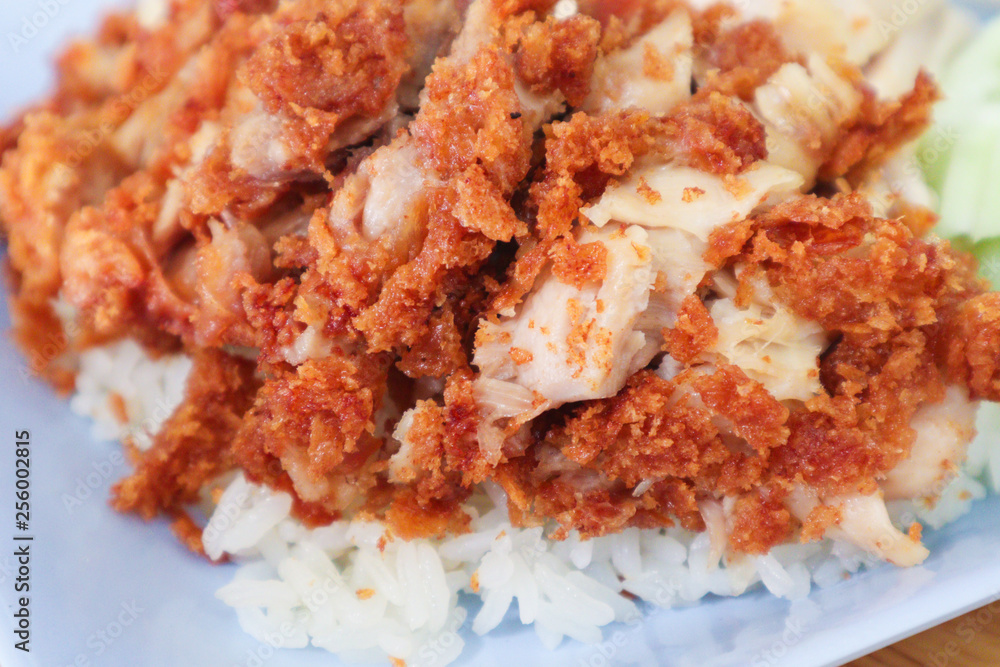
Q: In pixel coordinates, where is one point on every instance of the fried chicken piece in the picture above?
(313, 430)
(479, 242)
(321, 77)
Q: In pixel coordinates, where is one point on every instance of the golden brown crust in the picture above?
(972, 346)
(191, 448)
(642, 433)
(760, 521)
(408, 307)
(342, 62)
(315, 421)
(187, 530)
(692, 334)
(819, 520)
(558, 56)
(742, 57)
(756, 415)
(881, 128)
(578, 264)
(473, 116)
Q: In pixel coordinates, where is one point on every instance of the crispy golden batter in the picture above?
(192, 448)
(693, 333)
(742, 56)
(314, 427)
(760, 520)
(558, 56)
(972, 344)
(881, 128)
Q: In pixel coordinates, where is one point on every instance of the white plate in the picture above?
(108, 590)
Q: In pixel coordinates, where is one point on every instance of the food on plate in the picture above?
(546, 302)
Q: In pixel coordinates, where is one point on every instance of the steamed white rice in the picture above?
(149, 389)
(351, 589)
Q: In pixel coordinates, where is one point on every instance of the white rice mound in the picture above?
(150, 389)
(352, 589)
